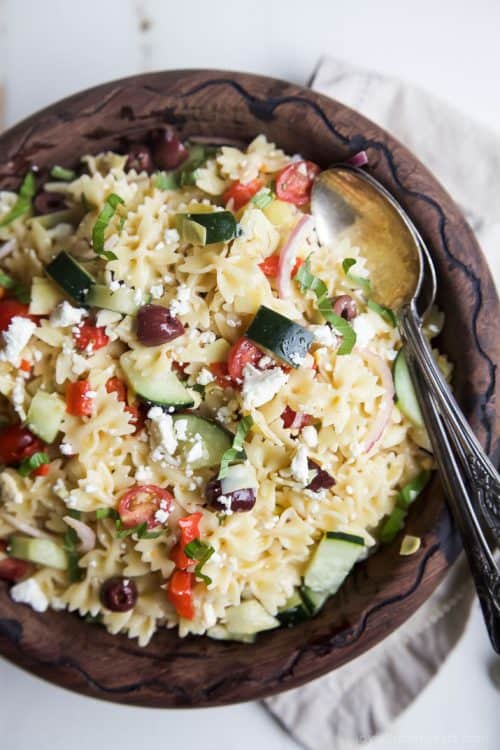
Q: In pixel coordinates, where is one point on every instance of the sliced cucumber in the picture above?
(238, 477)
(394, 522)
(392, 525)
(164, 389)
(294, 611)
(206, 228)
(215, 439)
(332, 560)
(313, 600)
(282, 337)
(220, 633)
(406, 398)
(250, 617)
(45, 415)
(44, 297)
(70, 276)
(123, 300)
(39, 551)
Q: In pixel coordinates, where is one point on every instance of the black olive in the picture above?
(237, 501)
(118, 594)
(156, 325)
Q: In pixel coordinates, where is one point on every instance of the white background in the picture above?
(51, 48)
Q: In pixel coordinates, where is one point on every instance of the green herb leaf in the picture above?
(394, 522)
(308, 281)
(74, 513)
(61, 173)
(165, 180)
(23, 203)
(413, 489)
(263, 198)
(385, 312)
(361, 281)
(107, 513)
(141, 530)
(18, 290)
(102, 222)
(236, 451)
(70, 544)
(28, 465)
(199, 389)
(201, 551)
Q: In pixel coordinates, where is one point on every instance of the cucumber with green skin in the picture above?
(45, 415)
(215, 440)
(39, 551)
(249, 617)
(406, 398)
(332, 561)
(70, 276)
(163, 389)
(282, 337)
(207, 228)
(122, 300)
(294, 611)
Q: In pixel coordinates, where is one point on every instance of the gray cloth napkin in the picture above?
(352, 704)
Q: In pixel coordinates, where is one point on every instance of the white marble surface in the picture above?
(53, 48)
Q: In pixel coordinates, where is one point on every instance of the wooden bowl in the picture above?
(386, 589)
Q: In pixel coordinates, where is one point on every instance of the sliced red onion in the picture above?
(358, 160)
(86, 535)
(322, 480)
(384, 414)
(289, 254)
(8, 247)
(23, 527)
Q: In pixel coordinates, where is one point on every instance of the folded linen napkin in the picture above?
(359, 700)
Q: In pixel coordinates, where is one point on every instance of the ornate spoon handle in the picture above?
(481, 561)
(483, 479)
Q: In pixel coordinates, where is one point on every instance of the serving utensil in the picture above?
(346, 200)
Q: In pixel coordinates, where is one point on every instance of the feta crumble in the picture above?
(161, 515)
(171, 236)
(259, 387)
(364, 329)
(300, 467)
(310, 436)
(107, 317)
(180, 305)
(204, 377)
(66, 315)
(143, 474)
(195, 452)
(16, 337)
(162, 434)
(181, 429)
(29, 592)
(324, 335)
(67, 449)
(156, 291)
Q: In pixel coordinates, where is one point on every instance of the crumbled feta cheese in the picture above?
(195, 452)
(233, 321)
(143, 474)
(156, 291)
(180, 305)
(364, 329)
(18, 396)
(90, 488)
(59, 488)
(29, 592)
(16, 337)
(171, 235)
(324, 335)
(91, 394)
(310, 436)
(181, 429)
(209, 616)
(204, 377)
(207, 337)
(225, 414)
(138, 297)
(168, 278)
(264, 362)
(66, 315)
(107, 317)
(9, 491)
(162, 433)
(37, 355)
(259, 386)
(300, 467)
(67, 449)
(226, 502)
(161, 515)
(114, 285)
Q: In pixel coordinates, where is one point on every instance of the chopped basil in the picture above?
(61, 173)
(236, 451)
(394, 522)
(385, 312)
(107, 513)
(307, 280)
(28, 465)
(23, 203)
(141, 530)
(201, 551)
(165, 180)
(102, 222)
(361, 281)
(263, 198)
(18, 290)
(70, 544)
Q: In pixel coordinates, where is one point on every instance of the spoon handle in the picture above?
(481, 561)
(483, 479)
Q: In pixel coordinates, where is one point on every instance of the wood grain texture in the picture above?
(386, 589)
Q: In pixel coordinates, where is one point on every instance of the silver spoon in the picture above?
(347, 201)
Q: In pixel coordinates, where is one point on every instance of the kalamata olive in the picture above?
(345, 306)
(237, 501)
(322, 480)
(156, 325)
(48, 203)
(168, 151)
(139, 158)
(118, 594)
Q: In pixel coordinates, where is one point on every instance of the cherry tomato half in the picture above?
(90, 338)
(180, 593)
(115, 385)
(270, 266)
(294, 182)
(219, 371)
(243, 352)
(78, 402)
(240, 193)
(16, 443)
(189, 527)
(11, 308)
(140, 504)
(12, 569)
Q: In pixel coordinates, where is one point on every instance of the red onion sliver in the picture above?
(358, 160)
(86, 535)
(8, 247)
(289, 254)
(384, 414)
